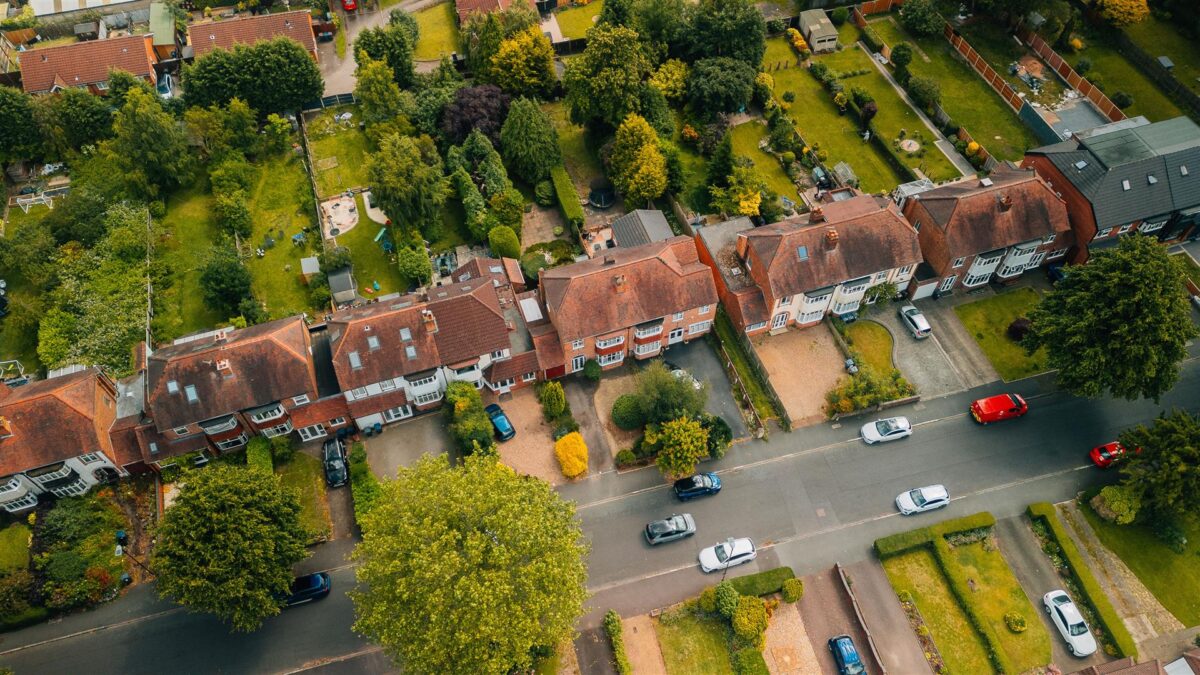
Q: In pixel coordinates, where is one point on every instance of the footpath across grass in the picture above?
(987, 321)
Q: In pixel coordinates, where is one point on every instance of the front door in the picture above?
(577, 363)
(676, 335)
(779, 320)
(948, 283)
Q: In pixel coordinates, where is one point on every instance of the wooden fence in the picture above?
(979, 65)
(878, 6)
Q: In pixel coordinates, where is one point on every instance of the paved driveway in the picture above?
(923, 362)
(894, 638)
(803, 365)
(827, 612)
(403, 444)
(970, 363)
(698, 358)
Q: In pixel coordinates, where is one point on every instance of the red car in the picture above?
(999, 407)
(1108, 454)
(349, 5)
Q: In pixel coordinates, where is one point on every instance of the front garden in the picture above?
(756, 388)
(877, 380)
(988, 321)
(438, 35)
(872, 343)
(306, 475)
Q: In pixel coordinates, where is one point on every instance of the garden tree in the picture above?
(636, 164)
(604, 83)
(743, 193)
(414, 264)
(233, 216)
(733, 28)
(921, 17)
(676, 174)
(662, 396)
(902, 55)
(483, 33)
(1165, 475)
(29, 252)
(221, 75)
(276, 134)
(379, 98)
(225, 282)
(720, 165)
(390, 44)
(503, 242)
(529, 141)
(482, 107)
(681, 443)
(505, 557)
(148, 148)
(671, 79)
(553, 400)
(469, 425)
(507, 208)
(17, 141)
(617, 13)
(72, 119)
(663, 27)
(925, 92)
(434, 92)
(120, 83)
(407, 181)
(647, 177)
(1118, 324)
(657, 112)
(227, 545)
(869, 110)
(79, 216)
(524, 64)
(219, 131)
(1123, 12)
(407, 23)
(720, 85)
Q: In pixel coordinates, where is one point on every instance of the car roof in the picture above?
(493, 408)
(1070, 612)
(742, 545)
(935, 492)
(997, 402)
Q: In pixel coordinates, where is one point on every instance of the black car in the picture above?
(308, 588)
(334, 456)
(700, 485)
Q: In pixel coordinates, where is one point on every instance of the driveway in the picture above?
(803, 365)
(698, 358)
(897, 646)
(403, 444)
(1038, 577)
(339, 73)
(968, 360)
(827, 612)
(923, 362)
(581, 396)
(531, 451)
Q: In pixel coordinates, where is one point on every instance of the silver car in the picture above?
(882, 431)
(670, 529)
(1066, 617)
(923, 499)
(915, 322)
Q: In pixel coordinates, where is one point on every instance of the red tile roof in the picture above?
(205, 37)
(125, 445)
(505, 271)
(56, 419)
(84, 63)
(466, 7)
(374, 404)
(520, 364)
(319, 412)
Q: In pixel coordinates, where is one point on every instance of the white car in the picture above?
(922, 499)
(1065, 615)
(890, 429)
(729, 553)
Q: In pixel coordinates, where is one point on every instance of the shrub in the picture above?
(592, 370)
(864, 390)
(1168, 531)
(567, 426)
(681, 444)
(921, 17)
(787, 157)
(776, 26)
(258, 454)
(572, 453)
(469, 425)
(839, 16)
(708, 599)
(793, 590)
(1117, 503)
(1083, 65)
(749, 661)
(727, 599)
(790, 95)
(364, 486)
(749, 619)
(553, 399)
(763, 583)
(925, 91)
(543, 193)
(612, 627)
(626, 458)
(283, 448)
(1019, 328)
(1122, 100)
(627, 412)
(568, 198)
(872, 39)
(719, 435)
(503, 242)
(1015, 622)
(664, 397)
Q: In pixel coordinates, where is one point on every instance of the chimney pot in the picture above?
(831, 238)
(430, 321)
(1006, 202)
(619, 282)
(817, 215)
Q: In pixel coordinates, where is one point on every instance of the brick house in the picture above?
(209, 35)
(794, 272)
(465, 8)
(86, 64)
(630, 301)
(1124, 177)
(978, 230)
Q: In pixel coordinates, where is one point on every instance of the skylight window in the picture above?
(172, 387)
(1151, 179)
(1183, 170)
(410, 351)
(1081, 165)
(355, 362)
(802, 252)
(405, 334)
(1125, 185)
(190, 392)
(373, 342)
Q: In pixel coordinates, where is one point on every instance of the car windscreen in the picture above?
(1015, 401)
(917, 497)
(1077, 628)
(722, 553)
(884, 427)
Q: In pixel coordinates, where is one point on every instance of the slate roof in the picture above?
(56, 419)
(815, 24)
(1131, 173)
(586, 298)
(84, 63)
(207, 36)
(643, 226)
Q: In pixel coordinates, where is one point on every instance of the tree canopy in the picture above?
(272, 76)
(483, 107)
(720, 85)
(524, 64)
(392, 44)
(407, 181)
(604, 83)
(681, 443)
(227, 545)
(501, 560)
(733, 28)
(922, 18)
(148, 149)
(16, 122)
(1118, 324)
(225, 282)
(1165, 473)
(529, 141)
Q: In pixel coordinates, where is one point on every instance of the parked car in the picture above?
(998, 407)
(504, 428)
(923, 499)
(1066, 617)
(889, 429)
(916, 323)
(164, 87)
(1056, 272)
(307, 588)
(682, 374)
(349, 5)
(670, 529)
(334, 454)
(729, 553)
(845, 656)
(700, 485)
(1108, 454)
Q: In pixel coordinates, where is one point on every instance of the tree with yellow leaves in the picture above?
(743, 196)
(637, 166)
(572, 453)
(524, 64)
(1123, 12)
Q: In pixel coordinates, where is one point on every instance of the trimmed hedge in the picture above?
(872, 39)
(568, 198)
(364, 486)
(763, 583)
(749, 661)
(1091, 588)
(612, 627)
(906, 541)
(22, 619)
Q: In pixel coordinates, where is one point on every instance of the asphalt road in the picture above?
(809, 498)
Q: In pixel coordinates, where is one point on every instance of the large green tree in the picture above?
(484, 32)
(720, 85)
(524, 64)
(681, 444)
(379, 98)
(407, 181)
(148, 148)
(500, 572)
(272, 76)
(227, 545)
(529, 141)
(733, 28)
(390, 44)
(604, 83)
(225, 282)
(922, 18)
(1118, 324)
(663, 397)
(1165, 473)
(72, 119)
(18, 139)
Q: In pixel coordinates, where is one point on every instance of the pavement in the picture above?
(923, 362)
(698, 358)
(885, 618)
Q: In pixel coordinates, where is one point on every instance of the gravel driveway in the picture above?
(921, 361)
(802, 364)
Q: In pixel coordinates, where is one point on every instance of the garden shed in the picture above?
(818, 31)
(342, 287)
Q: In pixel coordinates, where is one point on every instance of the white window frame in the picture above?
(359, 392)
(904, 270)
(705, 309)
(610, 342)
(91, 458)
(699, 327)
(1104, 233)
(498, 354)
(422, 399)
(1125, 228)
(1146, 228)
(959, 262)
(337, 421)
(880, 277)
(756, 326)
(1057, 253)
(387, 385)
(608, 359)
(648, 348)
(809, 317)
(677, 317)
(423, 381)
(24, 502)
(310, 432)
(973, 280)
(576, 345)
(400, 412)
(278, 430)
(948, 283)
(300, 400)
(1050, 238)
(785, 301)
(529, 377)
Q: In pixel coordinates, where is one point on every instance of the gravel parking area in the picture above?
(789, 651)
(803, 365)
(531, 451)
(403, 444)
(612, 387)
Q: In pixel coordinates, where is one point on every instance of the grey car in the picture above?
(915, 322)
(670, 529)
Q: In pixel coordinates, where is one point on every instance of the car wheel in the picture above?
(1071, 649)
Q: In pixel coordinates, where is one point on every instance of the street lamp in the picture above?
(122, 542)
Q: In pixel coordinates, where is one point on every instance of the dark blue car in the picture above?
(846, 656)
(700, 485)
(308, 588)
(504, 428)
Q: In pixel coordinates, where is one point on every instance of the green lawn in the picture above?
(999, 48)
(1121, 75)
(16, 343)
(1173, 578)
(281, 201)
(987, 321)
(1159, 38)
(873, 343)
(305, 475)
(581, 160)
(575, 21)
(454, 228)
(1191, 268)
(439, 32)
(192, 230)
(960, 646)
(693, 643)
(965, 96)
(339, 151)
(371, 264)
(745, 144)
(997, 592)
(14, 548)
(822, 127)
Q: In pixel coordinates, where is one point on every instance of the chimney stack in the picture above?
(619, 283)
(817, 215)
(5, 427)
(1005, 201)
(430, 321)
(224, 368)
(610, 260)
(831, 239)
(743, 244)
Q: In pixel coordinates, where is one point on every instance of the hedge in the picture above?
(612, 626)
(882, 144)
(568, 198)
(364, 486)
(749, 661)
(872, 39)
(258, 454)
(907, 541)
(763, 583)
(25, 618)
(1087, 582)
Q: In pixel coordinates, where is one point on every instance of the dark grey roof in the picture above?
(816, 24)
(341, 281)
(641, 227)
(1133, 173)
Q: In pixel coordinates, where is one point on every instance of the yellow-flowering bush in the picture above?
(797, 40)
(572, 453)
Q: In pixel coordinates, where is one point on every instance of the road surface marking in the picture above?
(97, 629)
(321, 663)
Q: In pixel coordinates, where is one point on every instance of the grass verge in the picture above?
(987, 321)
(305, 475)
(1191, 268)
(694, 643)
(755, 387)
(1159, 38)
(439, 32)
(873, 343)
